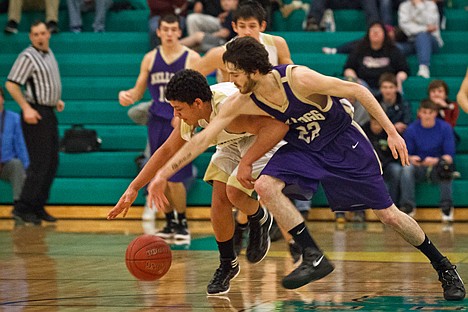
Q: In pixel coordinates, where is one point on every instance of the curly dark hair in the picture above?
(247, 54)
(186, 86)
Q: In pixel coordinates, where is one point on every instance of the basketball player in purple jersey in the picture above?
(157, 68)
(249, 20)
(324, 145)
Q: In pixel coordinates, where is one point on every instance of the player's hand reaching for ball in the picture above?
(156, 190)
(125, 202)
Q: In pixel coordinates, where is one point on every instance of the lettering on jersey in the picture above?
(311, 128)
(161, 77)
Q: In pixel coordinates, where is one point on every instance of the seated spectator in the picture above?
(387, 9)
(160, 8)
(393, 103)
(314, 20)
(202, 41)
(419, 21)
(348, 47)
(373, 56)
(14, 157)
(431, 149)
(207, 16)
(16, 6)
(449, 111)
(390, 166)
(75, 7)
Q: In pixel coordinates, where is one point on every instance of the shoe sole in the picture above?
(164, 235)
(182, 237)
(224, 292)
(294, 285)
(269, 242)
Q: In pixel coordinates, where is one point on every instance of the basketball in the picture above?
(148, 257)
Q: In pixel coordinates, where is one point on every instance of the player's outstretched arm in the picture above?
(160, 157)
(302, 78)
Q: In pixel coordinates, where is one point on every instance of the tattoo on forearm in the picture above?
(176, 166)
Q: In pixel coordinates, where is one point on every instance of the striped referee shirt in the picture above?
(39, 72)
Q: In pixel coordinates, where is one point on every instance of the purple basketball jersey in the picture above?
(159, 76)
(324, 146)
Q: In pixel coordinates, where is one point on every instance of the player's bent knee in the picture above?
(388, 216)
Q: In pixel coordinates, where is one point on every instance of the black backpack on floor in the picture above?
(80, 140)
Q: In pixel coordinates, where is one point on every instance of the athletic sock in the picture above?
(301, 235)
(430, 251)
(226, 249)
(257, 216)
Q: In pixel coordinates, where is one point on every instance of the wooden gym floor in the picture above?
(78, 264)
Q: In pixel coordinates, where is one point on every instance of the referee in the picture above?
(37, 70)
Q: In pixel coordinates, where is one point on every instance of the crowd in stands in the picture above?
(377, 61)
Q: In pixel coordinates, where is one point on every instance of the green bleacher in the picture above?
(95, 67)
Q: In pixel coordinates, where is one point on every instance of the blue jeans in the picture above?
(75, 7)
(424, 45)
(392, 177)
(318, 7)
(412, 174)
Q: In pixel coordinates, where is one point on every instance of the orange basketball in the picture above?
(148, 257)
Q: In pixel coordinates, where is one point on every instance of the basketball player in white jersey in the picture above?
(196, 104)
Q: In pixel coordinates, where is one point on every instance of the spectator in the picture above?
(390, 166)
(449, 111)
(314, 20)
(207, 16)
(438, 93)
(37, 69)
(75, 7)
(430, 143)
(202, 41)
(16, 6)
(419, 21)
(14, 157)
(393, 103)
(160, 8)
(373, 56)
(386, 10)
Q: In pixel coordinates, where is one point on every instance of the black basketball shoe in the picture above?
(259, 237)
(314, 266)
(238, 237)
(295, 250)
(452, 283)
(168, 231)
(220, 283)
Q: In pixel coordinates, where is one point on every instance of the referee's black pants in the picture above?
(42, 141)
